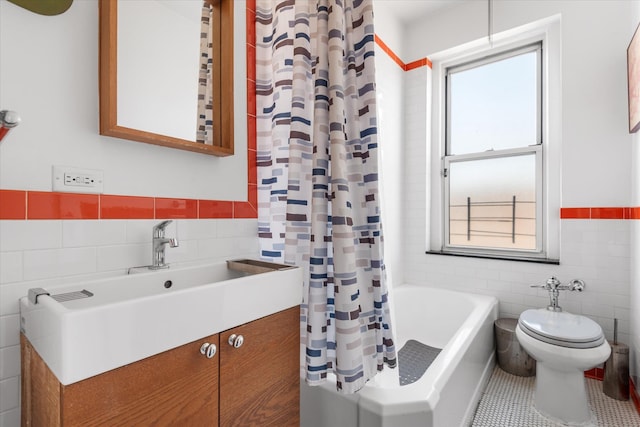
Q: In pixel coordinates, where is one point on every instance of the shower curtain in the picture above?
(318, 199)
(204, 126)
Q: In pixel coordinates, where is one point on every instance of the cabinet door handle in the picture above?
(208, 350)
(236, 340)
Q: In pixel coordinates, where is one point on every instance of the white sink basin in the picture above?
(129, 318)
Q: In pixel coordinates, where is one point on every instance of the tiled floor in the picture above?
(507, 402)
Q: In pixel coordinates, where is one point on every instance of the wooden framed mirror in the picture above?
(149, 92)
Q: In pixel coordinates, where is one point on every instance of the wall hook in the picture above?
(8, 120)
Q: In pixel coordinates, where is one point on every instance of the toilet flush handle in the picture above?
(574, 285)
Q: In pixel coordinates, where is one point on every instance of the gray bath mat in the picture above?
(414, 359)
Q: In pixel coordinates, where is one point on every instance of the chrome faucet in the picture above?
(158, 245)
(554, 287)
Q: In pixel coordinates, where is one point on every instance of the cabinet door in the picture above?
(177, 387)
(259, 381)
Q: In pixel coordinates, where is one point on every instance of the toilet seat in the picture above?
(561, 329)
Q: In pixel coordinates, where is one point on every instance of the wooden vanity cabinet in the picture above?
(177, 387)
(255, 384)
(259, 381)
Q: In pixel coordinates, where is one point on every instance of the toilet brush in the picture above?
(616, 369)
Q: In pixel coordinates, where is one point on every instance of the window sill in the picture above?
(497, 257)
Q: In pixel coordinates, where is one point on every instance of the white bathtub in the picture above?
(447, 394)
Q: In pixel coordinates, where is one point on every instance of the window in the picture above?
(494, 131)
(492, 167)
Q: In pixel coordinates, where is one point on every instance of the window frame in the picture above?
(535, 149)
(547, 33)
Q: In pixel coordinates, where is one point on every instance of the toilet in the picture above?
(564, 346)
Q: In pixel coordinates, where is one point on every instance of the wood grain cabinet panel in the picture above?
(255, 384)
(176, 387)
(259, 381)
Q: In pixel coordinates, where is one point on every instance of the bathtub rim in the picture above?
(423, 395)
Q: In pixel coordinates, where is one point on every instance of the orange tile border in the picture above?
(215, 209)
(23, 204)
(251, 101)
(417, 64)
(252, 136)
(601, 213)
(244, 210)
(126, 207)
(252, 176)
(406, 67)
(595, 374)
(53, 205)
(607, 213)
(176, 208)
(575, 213)
(386, 49)
(635, 398)
(13, 204)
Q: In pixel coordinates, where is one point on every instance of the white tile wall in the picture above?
(46, 253)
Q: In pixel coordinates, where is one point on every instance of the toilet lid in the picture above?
(560, 328)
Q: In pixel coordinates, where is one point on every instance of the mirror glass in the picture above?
(160, 60)
(158, 66)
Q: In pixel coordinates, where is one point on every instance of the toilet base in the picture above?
(562, 395)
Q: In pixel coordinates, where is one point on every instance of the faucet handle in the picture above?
(162, 225)
(173, 243)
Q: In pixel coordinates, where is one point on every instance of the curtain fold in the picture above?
(204, 124)
(318, 198)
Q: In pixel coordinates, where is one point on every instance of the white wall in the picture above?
(595, 166)
(389, 87)
(49, 75)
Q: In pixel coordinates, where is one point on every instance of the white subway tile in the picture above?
(611, 226)
(237, 228)
(497, 285)
(197, 229)
(9, 330)
(93, 233)
(512, 276)
(29, 235)
(10, 267)
(10, 366)
(598, 310)
(10, 392)
(535, 301)
(59, 262)
(141, 231)
(123, 256)
(185, 252)
(622, 313)
(10, 418)
(9, 296)
(227, 247)
(614, 274)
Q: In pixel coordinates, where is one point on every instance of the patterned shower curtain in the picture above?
(318, 199)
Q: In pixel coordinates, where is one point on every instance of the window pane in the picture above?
(492, 203)
(494, 106)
